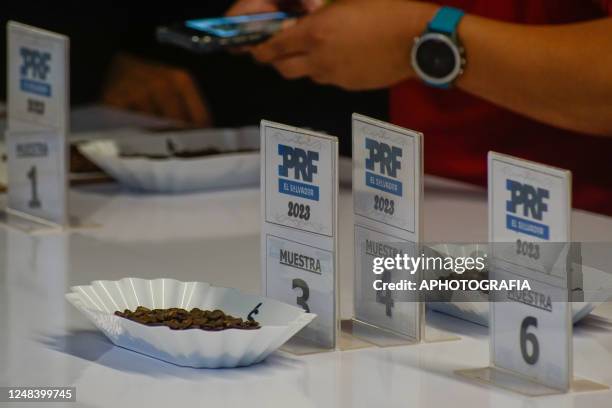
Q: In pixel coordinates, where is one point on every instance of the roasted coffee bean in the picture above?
(181, 319)
(216, 314)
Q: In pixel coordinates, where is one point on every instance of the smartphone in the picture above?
(213, 34)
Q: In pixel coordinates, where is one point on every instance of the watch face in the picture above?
(436, 58)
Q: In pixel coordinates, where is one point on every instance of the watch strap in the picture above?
(446, 20)
(447, 85)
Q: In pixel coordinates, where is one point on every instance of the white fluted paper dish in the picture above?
(194, 347)
(596, 286)
(237, 166)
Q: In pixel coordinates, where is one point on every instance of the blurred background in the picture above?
(113, 47)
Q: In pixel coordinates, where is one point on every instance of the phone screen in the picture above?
(238, 25)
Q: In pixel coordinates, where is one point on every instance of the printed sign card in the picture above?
(387, 199)
(530, 205)
(531, 330)
(301, 192)
(387, 175)
(529, 233)
(299, 184)
(37, 123)
(38, 79)
(36, 178)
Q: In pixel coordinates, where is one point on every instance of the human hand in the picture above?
(354, 44)
(161, 90)
(265, 6)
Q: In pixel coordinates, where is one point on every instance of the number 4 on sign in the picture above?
(386, 298)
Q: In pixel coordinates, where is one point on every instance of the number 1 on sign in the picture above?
(32, 176)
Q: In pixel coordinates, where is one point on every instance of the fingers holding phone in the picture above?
(248, 23)
(265, 6)
(252, 6)
(325, 46)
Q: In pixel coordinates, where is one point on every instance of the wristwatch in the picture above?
(438, 57)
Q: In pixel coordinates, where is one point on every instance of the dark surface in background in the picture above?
(239, 91)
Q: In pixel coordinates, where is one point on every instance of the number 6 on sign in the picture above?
(529, 357)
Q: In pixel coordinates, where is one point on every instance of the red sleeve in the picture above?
(607, 6)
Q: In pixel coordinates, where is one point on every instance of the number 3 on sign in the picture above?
(301, 300)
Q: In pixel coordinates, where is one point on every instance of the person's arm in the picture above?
(557, 74)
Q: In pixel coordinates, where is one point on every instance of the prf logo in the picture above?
(34, 71)
(383, 177)
(298, 164)
(525, 209)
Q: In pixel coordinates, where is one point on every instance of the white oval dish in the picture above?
(180, 175)
(596, 284)
(190, 348)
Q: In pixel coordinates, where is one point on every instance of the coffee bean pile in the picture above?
(181, 319)
(186, 154)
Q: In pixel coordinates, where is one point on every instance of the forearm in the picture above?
(557, 74)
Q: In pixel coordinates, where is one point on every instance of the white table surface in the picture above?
(214, 237)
